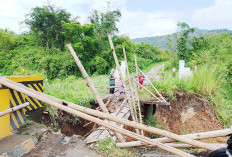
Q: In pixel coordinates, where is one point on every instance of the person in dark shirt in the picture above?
(112, 81)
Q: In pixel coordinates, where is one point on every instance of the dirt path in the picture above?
(57, 145)
(152, 74)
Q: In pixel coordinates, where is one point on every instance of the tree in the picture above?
(105, 22)
(46, 23)
(183, 47)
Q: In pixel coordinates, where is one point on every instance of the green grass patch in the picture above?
(73, 90)
(108, 146)
(206, 83)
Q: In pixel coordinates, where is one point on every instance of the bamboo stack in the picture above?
(62, 106)
(130, 102)
(36, 94)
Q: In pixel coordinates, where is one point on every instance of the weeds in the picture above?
(74, 90)
(150, 121)
(108, 146)
(207, 83)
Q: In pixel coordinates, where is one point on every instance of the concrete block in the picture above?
(28, 145)
(16, 152)
(35, 140)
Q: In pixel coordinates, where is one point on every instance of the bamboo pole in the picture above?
(138, 103)
(130, 87)
(120, 74)
(91, 118)
(152, 84)
(181, 145)
(136, 66)
(201, 135)
(87, 78)
(13, 109)
(109, 117)
(91, 85)
(175, 145)
(148, 91)
(107, 87)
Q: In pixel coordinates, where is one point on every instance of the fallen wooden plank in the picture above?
(154, 102)
(13, 109)
(201, 135)
(181, 145)
(100, 133)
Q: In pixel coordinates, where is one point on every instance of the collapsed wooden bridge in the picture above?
(113, 123)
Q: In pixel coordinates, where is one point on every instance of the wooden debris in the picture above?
(100, 134)
(152, 85)
(44, 97)
(201, 135)
(87, 78)
(133, 115)
(91, 85)
(107, 87)
(13, 109)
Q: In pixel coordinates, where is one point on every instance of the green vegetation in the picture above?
(42, 51)
(108, 146)
(75, 90)
(162, 41)
(213, 56)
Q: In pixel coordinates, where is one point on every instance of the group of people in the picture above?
(119, 82)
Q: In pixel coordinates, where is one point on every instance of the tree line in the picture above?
(42, 49)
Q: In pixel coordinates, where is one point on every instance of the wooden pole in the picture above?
(152, 85)
(107, 87)
(12, 84)
(136, 66)
(201, 135)
(181, 145)
(120, 74)
(175, 145)
(92, 87)
(91, 118)
(13, 109)
(130, 87)
(148, 91)
(87, 78)
(138, 103)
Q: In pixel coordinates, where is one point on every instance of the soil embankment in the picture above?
(188, 114)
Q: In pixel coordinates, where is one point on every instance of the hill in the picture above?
(160, 41)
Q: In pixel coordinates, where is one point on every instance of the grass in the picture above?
(73, 90)
(206, 83)
(108, 146)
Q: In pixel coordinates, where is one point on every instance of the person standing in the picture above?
(119, 83)
(141, 79)
(112, 81)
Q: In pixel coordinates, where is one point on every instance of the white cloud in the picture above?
(137, 23)
(143, 24)
(132, 23)
(217, 16)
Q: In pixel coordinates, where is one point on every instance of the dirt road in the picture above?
(152, 74)
(57, 145)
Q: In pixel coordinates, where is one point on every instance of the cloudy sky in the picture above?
(140, 18)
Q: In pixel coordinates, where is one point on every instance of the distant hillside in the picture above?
(160, 41)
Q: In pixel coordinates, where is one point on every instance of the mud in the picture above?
(188, 114)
